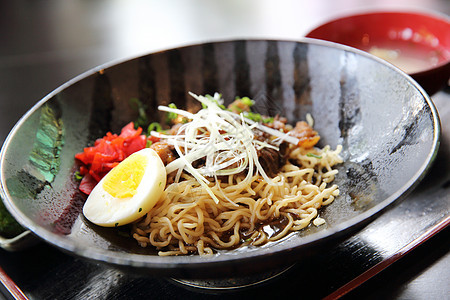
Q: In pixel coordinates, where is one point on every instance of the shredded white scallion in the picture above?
(223, 139)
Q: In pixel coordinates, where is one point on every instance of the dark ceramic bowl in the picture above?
(385, 121)
(417, 43)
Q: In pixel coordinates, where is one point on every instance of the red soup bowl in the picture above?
(417, 43)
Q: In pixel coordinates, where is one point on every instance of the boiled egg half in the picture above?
(128, 191)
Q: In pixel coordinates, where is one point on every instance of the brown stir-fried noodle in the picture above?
(187, 220)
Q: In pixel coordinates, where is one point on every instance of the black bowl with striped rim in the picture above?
(388, 126)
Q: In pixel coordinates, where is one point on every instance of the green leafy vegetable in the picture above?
(142, 119)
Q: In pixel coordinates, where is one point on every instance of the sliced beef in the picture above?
(272, 160)
(165, 151)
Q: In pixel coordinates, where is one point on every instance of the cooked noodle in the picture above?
(187, 220)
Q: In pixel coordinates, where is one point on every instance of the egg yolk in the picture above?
(123, 180)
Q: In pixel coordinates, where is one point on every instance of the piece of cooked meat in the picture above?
(308, 137)
(278, 123)
(165, 151)
(271, 159)
(238, 106)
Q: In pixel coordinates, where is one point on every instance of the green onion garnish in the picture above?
(247, 101)
(155, 126)
(172, 116)
(78, 176)
(314, 155)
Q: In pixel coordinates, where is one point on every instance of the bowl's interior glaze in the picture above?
(388, 127)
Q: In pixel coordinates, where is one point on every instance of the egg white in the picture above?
(103, 209)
